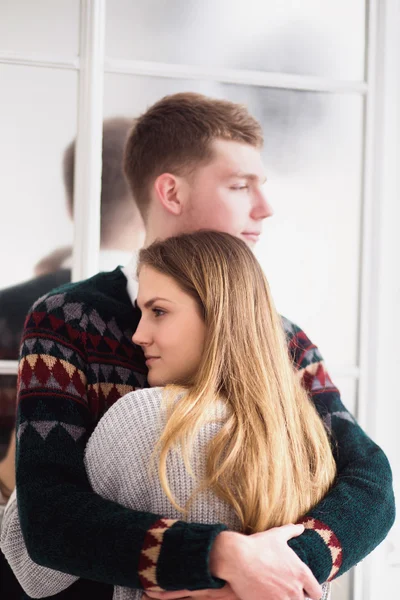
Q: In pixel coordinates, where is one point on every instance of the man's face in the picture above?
(227, 194)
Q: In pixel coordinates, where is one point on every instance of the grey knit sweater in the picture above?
(118, 462)
(118, 459)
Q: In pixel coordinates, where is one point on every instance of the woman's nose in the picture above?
(140, 337)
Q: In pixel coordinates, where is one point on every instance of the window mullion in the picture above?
(87, 184)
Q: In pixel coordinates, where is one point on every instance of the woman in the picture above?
(227, 433)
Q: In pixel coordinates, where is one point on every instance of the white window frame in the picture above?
(378, 406)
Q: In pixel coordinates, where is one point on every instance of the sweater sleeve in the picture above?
(359, 510)
(65, 525)
(35, 580)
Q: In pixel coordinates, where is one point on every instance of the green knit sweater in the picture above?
(77, 359)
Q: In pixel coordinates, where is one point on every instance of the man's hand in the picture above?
(225, 593)
(263, 566)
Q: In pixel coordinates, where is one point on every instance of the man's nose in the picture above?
(262, 209)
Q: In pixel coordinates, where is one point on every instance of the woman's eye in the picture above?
(158, 312)
(240, 187)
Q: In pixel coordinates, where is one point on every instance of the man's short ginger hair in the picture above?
(175, 135)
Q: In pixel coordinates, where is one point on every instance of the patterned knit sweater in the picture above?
(77, 359)
(118, 458)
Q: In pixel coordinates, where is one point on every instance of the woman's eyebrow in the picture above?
(150, 302)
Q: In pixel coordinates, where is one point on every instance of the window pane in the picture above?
(122, 229)
(310, 249)
(293, 36)
(37, 121)
(342, 587)
(42, 26)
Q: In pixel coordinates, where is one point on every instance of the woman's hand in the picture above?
(225, 593)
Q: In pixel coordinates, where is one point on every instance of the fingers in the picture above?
(315, 595)
(291, 530)
(312, 588)
(224, 593)
(167, 595)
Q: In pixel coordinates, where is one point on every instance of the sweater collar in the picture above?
(130, 273)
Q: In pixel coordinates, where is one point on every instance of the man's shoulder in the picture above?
(99, 290)
(302, 350)
(290, 328)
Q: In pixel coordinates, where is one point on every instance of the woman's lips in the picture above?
(151, 359)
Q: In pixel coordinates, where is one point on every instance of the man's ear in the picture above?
(168, 191)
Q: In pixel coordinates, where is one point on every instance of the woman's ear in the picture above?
(167, 189)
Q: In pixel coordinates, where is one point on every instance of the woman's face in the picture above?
(171, 330)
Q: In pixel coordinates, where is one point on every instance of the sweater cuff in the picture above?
(319, 548)
(182, 561)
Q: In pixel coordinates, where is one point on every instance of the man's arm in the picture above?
(118, 550)
(66, 526)
(342, 529)
(36, 581)
(359, 510)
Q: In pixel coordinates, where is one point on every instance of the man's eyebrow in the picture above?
(150, 302)
(251, 176)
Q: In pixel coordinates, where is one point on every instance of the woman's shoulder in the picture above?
(136, 411)
(134, 406)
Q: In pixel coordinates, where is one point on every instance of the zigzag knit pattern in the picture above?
(77, 360)
(330, 539)
(93, 367)
(150, 554)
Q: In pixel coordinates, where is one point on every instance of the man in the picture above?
(193, 163)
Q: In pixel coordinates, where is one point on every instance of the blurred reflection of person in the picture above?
(121, 233)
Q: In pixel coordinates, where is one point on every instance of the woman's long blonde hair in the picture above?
(271, 460)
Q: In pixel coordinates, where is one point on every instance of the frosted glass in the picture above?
(293, 36)
(342, 587)
(37, 121)
(42, 26)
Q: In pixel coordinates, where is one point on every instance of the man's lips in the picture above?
(254, 236)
